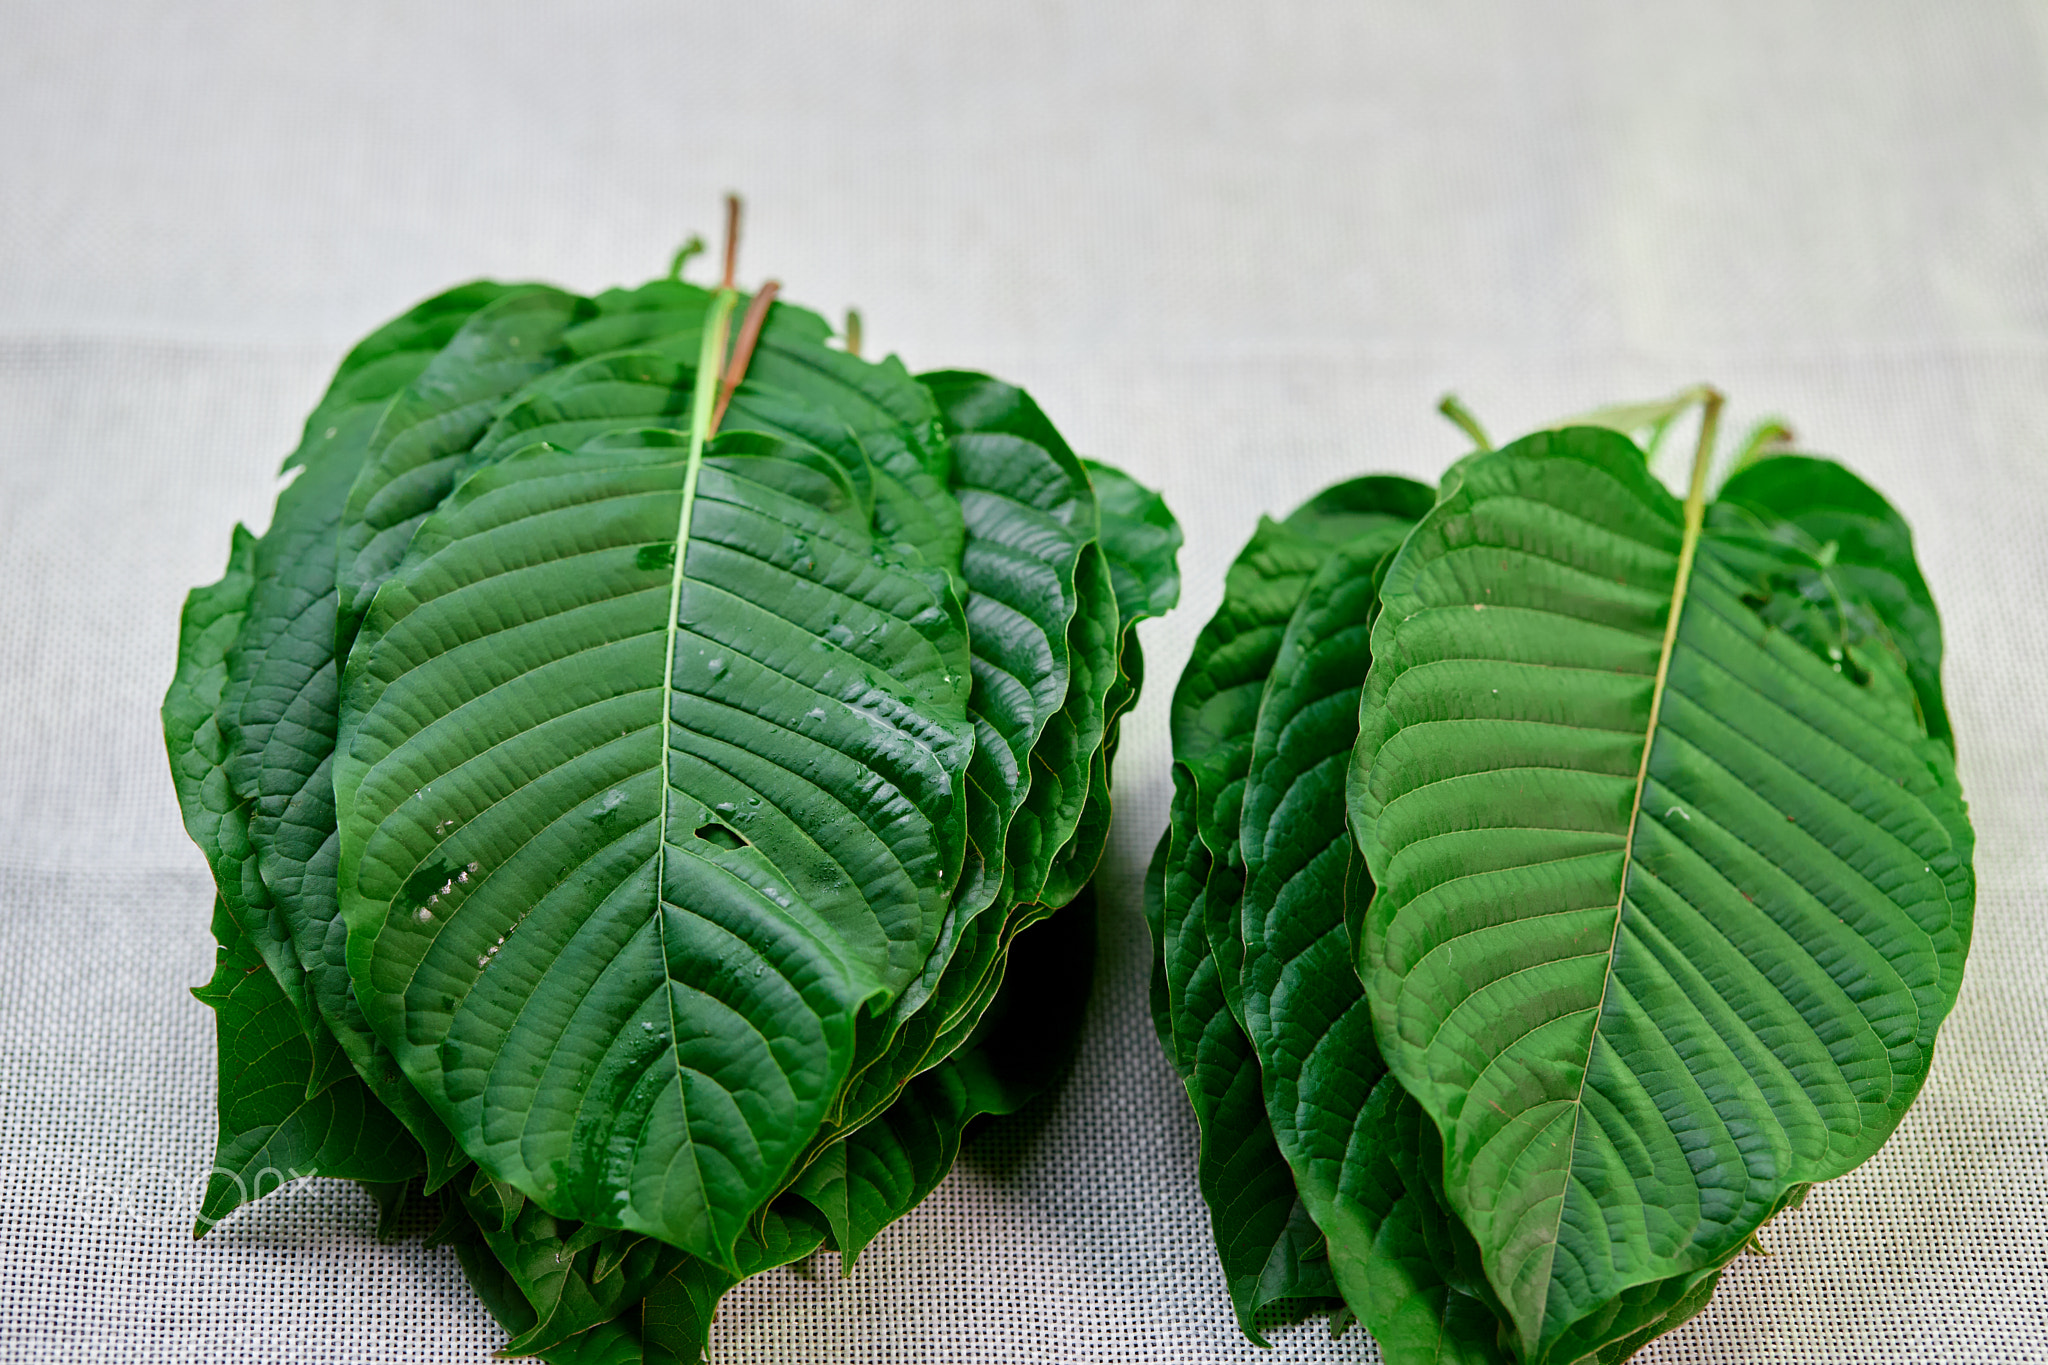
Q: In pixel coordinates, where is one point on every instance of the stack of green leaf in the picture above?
(1562, 876)
(626, 763)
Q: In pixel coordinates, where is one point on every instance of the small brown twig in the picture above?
(732, 238)
(743, 349)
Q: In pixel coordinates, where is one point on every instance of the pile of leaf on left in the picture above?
(629, 764)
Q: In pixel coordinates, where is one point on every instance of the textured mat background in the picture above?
(1239, 249)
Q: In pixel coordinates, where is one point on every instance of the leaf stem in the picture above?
(1696, 496)
(732, 240)
(853, 331)
(1769, 437)
(717, 320)
(693, 247)
(1462, 416)
(743, 349)
(1654, 442)
(1688, 550)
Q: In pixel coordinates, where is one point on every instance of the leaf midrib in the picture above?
(1695, 518)
(704, 397)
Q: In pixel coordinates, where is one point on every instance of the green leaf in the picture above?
(890, 414)
(1027, 1036)
(972, 955)
(273, 1129)
(382, 364)
(1077, 859)
(288, 1104)
(1216, 704)
(675, 1320)
(1670, 903)
(1270, 1249)
(1035, 586)
(1426, 1295)
(403, 700)
(631, 390)
(635, 818)
(417, 452)
(572, 1281)
(278, 707)
(1042, 612)
(1142, 542)
(214, 816)
(1153, 906)
(1347, 1132)
(392, 1198)
(1818, 504)
(612, 1343)
(893, 415)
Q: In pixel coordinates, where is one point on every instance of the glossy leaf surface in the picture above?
(1270, 1247)
(419, 447)
(604, 789)
(1672, 893)
(561, 679)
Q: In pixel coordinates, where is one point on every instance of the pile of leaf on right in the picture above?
(1562, 876)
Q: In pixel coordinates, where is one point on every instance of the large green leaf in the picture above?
(651, 781)
(675, 1319)
(550, 1284)
(572, 1280)
(1348, 1133)
(279, 705)
(1268, 1243)
(1042, 619)
(629, 390)
(274, 1127)
(1673, 886)
(1425, 1296)
(288, 1105)
(1269, 1247)
(1020, 496)
(1141, 543)
(470, 467)
(214, 816)
(1216, 703)
(1042, 610)
(1152, 904)
(616, 1342)
(278, 657)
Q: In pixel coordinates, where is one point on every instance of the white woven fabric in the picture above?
(1241, 250)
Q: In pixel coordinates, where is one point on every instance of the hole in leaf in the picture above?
(722, 835)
